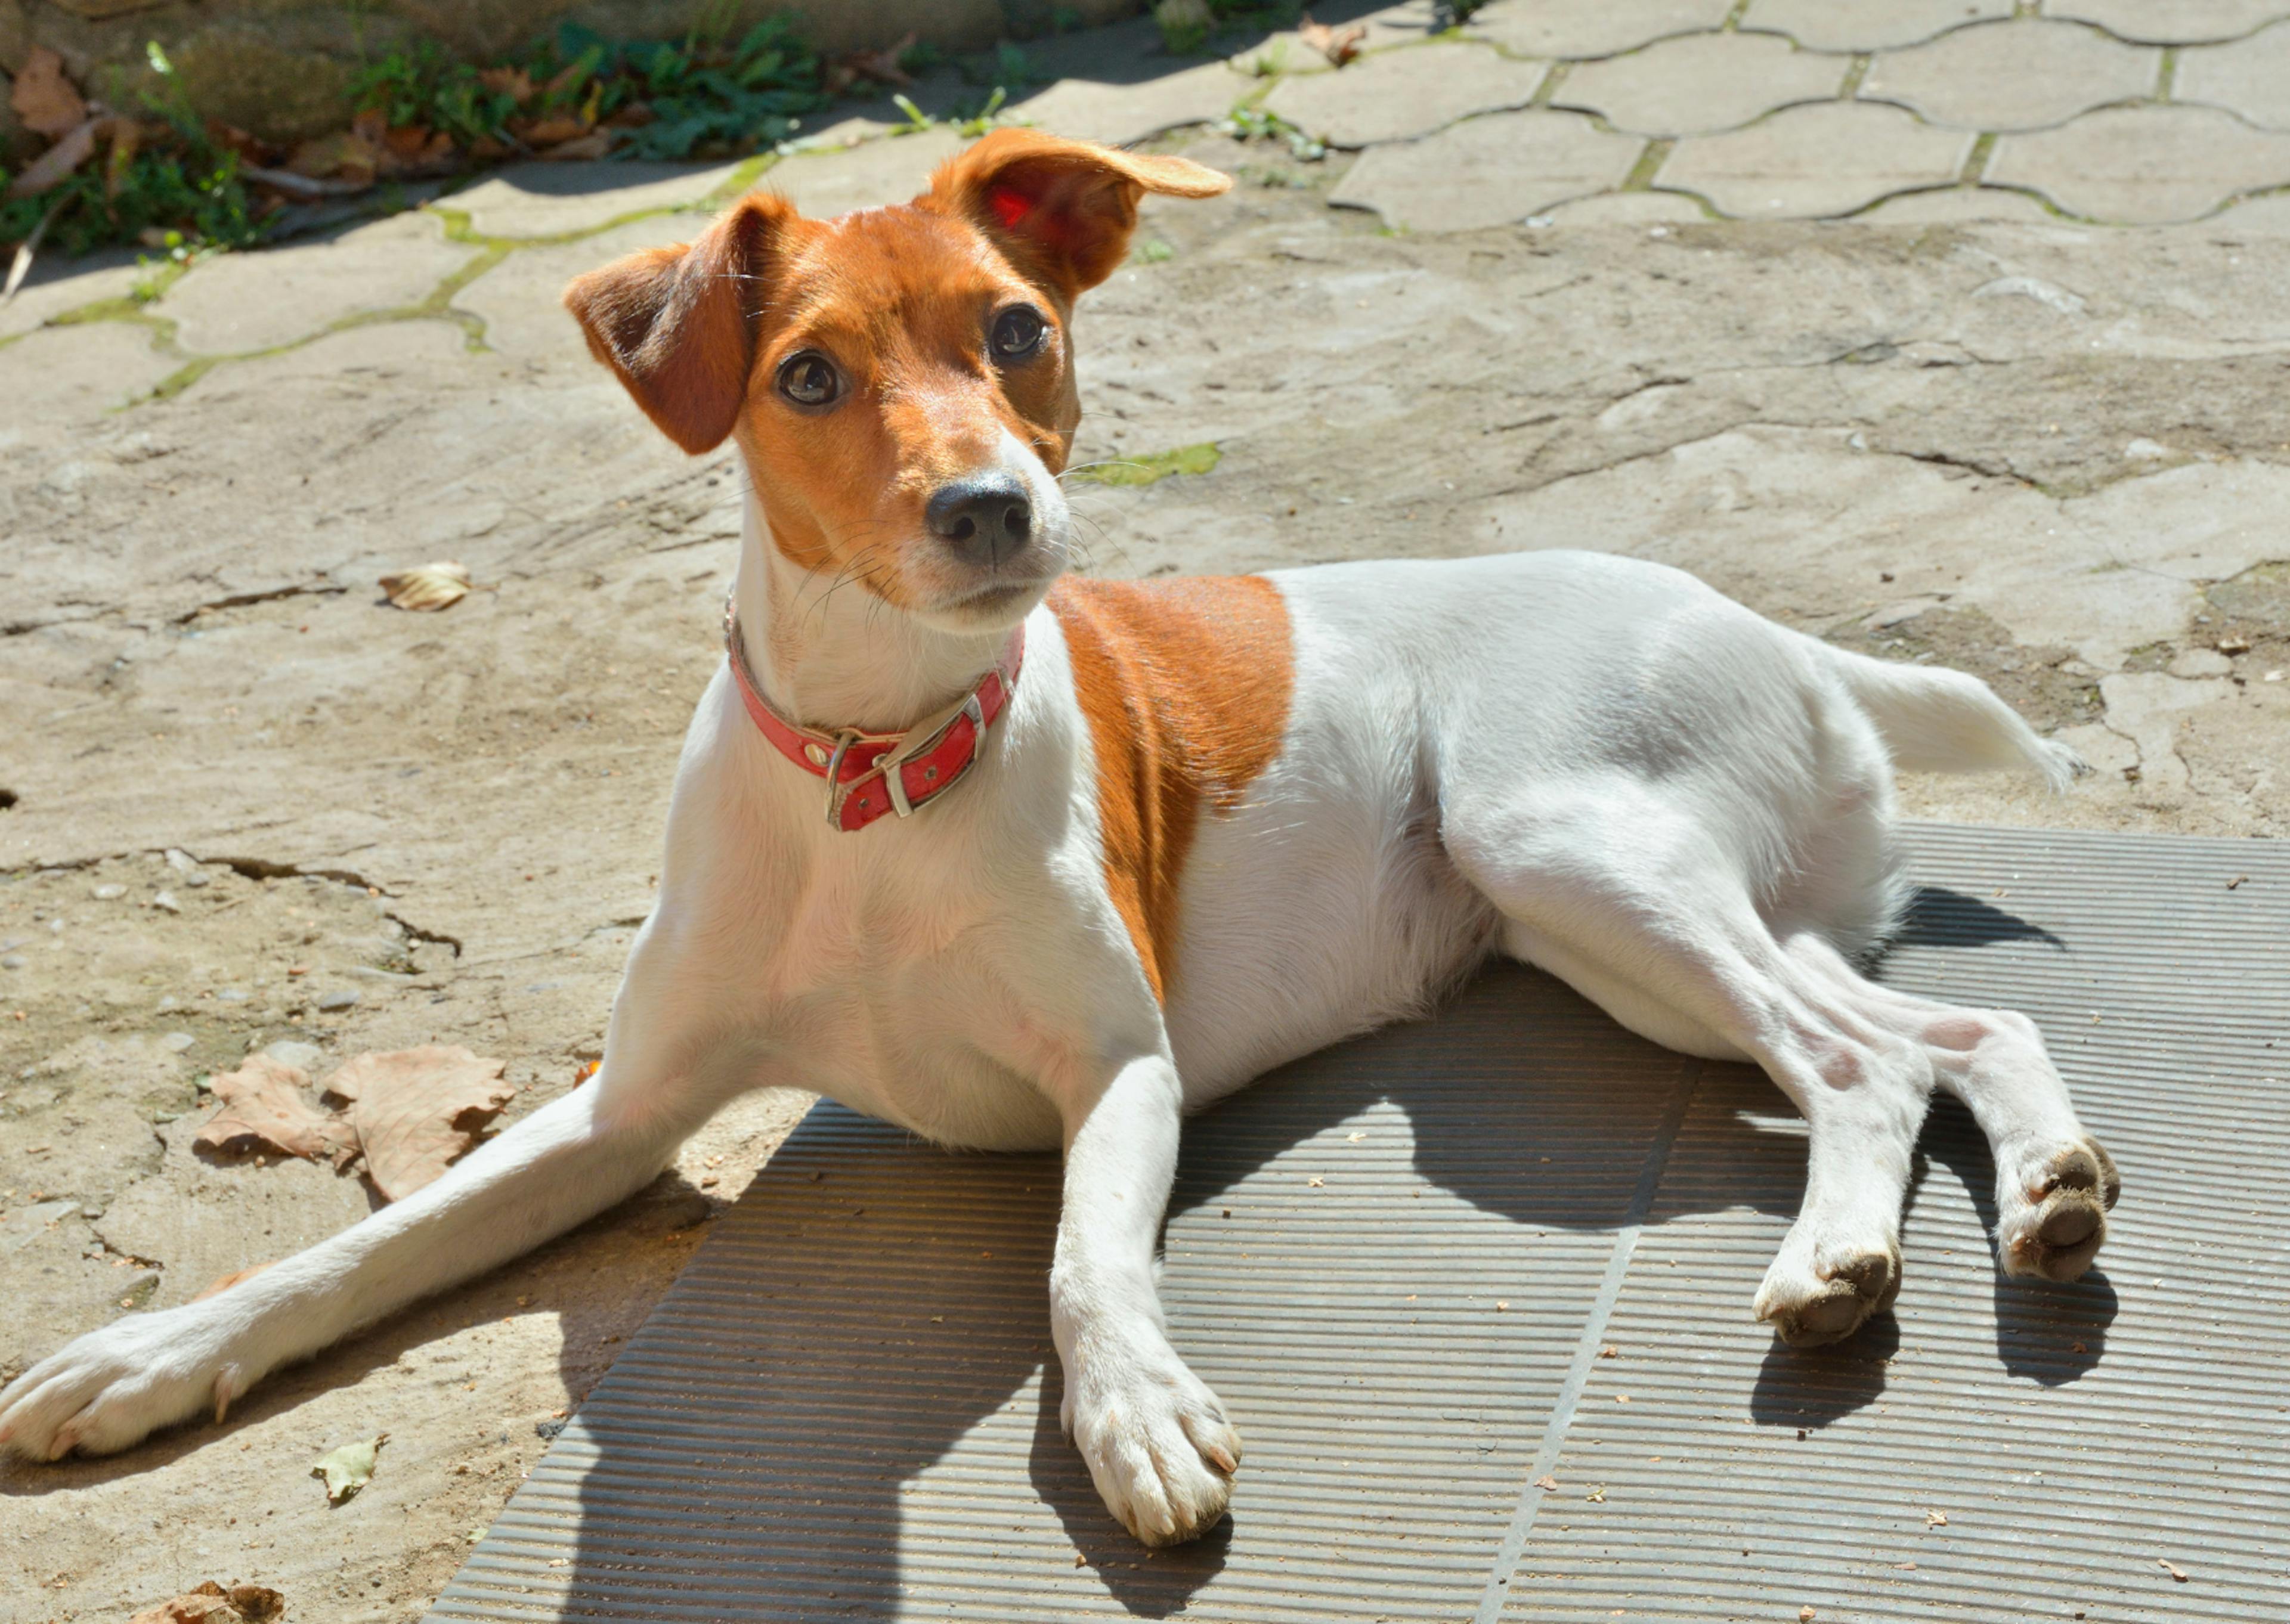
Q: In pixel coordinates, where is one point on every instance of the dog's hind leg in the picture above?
(564, 1163)
(1651, 919)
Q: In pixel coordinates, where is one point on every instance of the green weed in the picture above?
(1145, 470)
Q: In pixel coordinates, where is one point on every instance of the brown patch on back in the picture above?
(1186, 684)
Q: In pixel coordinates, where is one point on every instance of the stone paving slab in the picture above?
(1591, 27)
(73, 286)
(1647, 209)
(1398, 95)
(1284, 51)
(520, 300)
(66, 372)
(235, 302)
(1487, 171)
(2144, 166)
(2020, 74)
(825, 184)
(1857, 25)
(540, 199)
(1827, 158)
(1123, 115)
(1960, 204)
(2171, 23)
(2250, 77)
(1700, 83)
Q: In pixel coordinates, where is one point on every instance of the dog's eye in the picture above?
(1018, 332)
(809, 378)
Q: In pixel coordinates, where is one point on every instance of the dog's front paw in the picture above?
(1156, 1441)
(112, 1387)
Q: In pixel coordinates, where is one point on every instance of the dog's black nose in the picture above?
(986, 519)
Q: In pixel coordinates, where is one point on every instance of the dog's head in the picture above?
(900, 380)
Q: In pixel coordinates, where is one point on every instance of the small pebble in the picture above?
(166, 900)
(108, 893)
(175, 1043)
(301, 1056)
(12, 960)
(231, 994)
(341, 999)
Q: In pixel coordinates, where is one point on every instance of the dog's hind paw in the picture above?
(2052, 1219)
(1155, 1438)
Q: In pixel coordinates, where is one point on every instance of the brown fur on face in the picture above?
(900, 301)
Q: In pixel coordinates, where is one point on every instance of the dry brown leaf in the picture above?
(1546, 1482)
(415, 1110)
(882, 67)
(210, 1604)
(264, 1108)
(56, 164)
(1339, 45)
(2178, 1574)
(43, 98)
(223, 1283)
(346, 155)
(548, 131)
(596, 144)
(433, 585)
(514, 82)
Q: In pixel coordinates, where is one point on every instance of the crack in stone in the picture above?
(270, 595)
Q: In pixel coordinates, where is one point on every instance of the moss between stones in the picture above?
(1144, 471)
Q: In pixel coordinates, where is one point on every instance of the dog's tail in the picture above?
(1935, 720)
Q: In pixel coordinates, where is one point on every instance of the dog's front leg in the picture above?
(564, 1163)
(1156, 1438)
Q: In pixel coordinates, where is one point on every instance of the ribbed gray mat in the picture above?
(842, 1409)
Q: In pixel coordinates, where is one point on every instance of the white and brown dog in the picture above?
(1018, 861)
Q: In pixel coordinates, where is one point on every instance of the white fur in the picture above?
(1596, 764)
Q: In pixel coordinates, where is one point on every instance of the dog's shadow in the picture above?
(872, 1309)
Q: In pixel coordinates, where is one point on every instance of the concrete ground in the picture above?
(1946, 329)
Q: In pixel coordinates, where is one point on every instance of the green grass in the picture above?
(1145, 470)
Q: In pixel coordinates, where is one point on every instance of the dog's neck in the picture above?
(829, 654)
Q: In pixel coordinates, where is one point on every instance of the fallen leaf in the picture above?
(882, 67)
(1610, 1352)
(548, 131)
(1546, 1482)
(2233, 645)
(1597, 1496)
(514, 82)
(2178, 1574)
(1805, 1615)
(43, 98)
(349, 1469)
(1339, 45)
(210, 1604)
(347, 155)
(596, 144)
(52, 167)
(223, 1283)
(264, 1108)
(416, 1110)
(433, 585)
(1935, 1519)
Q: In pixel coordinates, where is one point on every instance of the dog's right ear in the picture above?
(677, 326)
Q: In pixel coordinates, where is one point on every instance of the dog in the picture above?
(1017, 858)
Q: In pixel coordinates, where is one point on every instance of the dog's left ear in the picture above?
(677, 326)
(1062, 210)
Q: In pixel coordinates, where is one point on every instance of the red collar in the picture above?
(872, 774)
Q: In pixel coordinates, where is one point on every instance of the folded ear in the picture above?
(1062, 210)
(678, 324)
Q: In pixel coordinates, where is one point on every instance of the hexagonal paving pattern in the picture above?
(541, 199)
(1700, 83)
(2251, 76)
(2144, 166)
(1591, 27)
(1488, 171)
(2020, 74)
(1855, 25)
(1120, 115)
(1826, 159)
(2173, 22)
(1396, 95)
